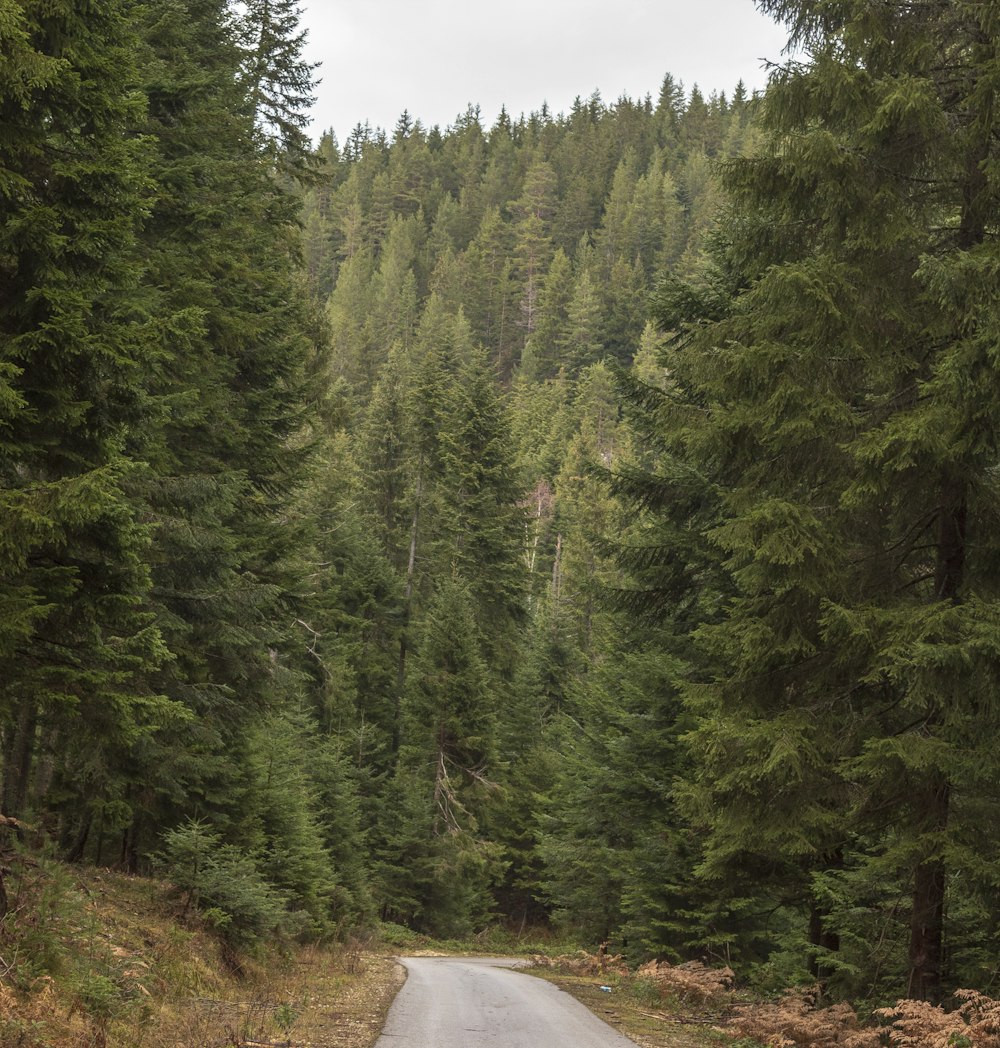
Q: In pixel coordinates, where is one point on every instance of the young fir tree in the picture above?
(435, 868)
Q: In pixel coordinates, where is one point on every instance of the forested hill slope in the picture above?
(294, 573)
(587, 519)
(479, 286)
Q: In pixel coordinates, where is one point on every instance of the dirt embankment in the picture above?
(94, 959)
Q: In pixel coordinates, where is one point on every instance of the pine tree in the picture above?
(444, 774)
(829, 394)
(77, 642)
(625, 304)
(278, 80)
(611, 240)
(236, 349)
(491, 304)
(541, 358)
(581, 345)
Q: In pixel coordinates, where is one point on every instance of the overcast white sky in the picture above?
(434, 57)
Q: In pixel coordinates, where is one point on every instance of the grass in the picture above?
(94, 959)
(631, 1010)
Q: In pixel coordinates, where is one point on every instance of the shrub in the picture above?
(796, 1020)
(917, 1024)
(224, 883)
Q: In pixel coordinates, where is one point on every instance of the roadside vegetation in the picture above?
(91, 957)
(693, 1005)
(95, 959)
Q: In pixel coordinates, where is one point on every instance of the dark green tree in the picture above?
(77, 643)
(278, 80)
(436, 867)
(829, 395)
(235, 345)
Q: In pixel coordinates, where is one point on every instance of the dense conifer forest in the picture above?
(590, 520)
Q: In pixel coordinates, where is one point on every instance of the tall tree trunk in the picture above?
(927, 913)
(930, 877)
(930, 880)
(19, 753)
(821, 936)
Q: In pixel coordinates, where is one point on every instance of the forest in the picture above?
(588, 521)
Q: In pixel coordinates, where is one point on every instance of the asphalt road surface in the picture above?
(478, 1002)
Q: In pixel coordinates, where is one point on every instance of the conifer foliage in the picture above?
(77, 644)
(589, 519)
(831, 394)
(156, 355)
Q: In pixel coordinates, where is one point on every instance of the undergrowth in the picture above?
(799, 1019)
(95, 959)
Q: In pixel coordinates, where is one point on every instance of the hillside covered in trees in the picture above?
(587, 520)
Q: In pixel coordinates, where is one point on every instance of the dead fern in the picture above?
(583, 963)
(917, 1024)
(692, 983)
(796, 1020)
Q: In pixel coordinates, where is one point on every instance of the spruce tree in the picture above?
(76, 639)
(235, 341)
(829, 393)
(445, 772)
(278, 81)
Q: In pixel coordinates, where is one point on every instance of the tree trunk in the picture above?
(931, 808)
(408, 594)
(19, 753)
(927, 915)
(130, 848)
(826, 942)
(74, 853)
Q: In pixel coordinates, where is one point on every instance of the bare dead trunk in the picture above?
(408, 594)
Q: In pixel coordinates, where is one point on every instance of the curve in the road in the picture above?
(479, 1002)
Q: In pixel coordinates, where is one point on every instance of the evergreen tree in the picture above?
(279, 81)
(581, 345)
(444, 772)
(76, 640)
(235, 341)
(829, 387)
(625, 304)
(541, 358)
(532, 244)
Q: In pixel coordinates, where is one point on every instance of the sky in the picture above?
(435, 57)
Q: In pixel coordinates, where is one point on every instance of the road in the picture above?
(478, 1002)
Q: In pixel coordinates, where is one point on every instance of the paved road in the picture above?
(478, 1002)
